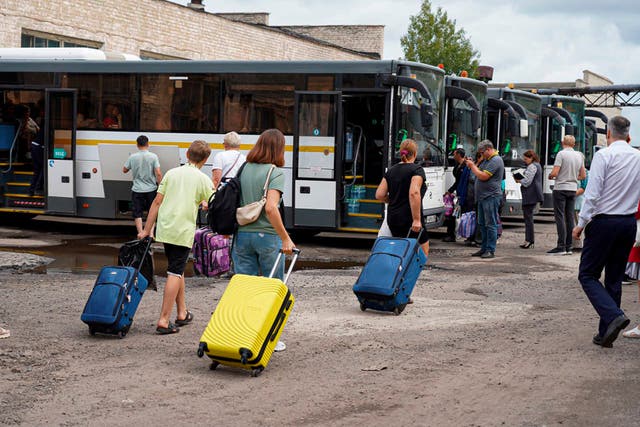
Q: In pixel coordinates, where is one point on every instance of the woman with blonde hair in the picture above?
(403, 187)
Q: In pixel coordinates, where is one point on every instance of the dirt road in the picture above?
(487, 342)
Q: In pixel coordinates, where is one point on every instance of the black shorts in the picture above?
(177, 257)
(141, 202)
(404, 230)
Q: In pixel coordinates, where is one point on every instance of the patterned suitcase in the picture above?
(210, 253)
(248, 321)
(114, 299)
(390, 274)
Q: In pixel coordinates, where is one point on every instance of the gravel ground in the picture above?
(487, 342)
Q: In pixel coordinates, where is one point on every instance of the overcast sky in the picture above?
(524, 40)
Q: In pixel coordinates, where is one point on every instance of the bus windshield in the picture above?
(576, 111)
(461, 133)
(555, 141)
(430, 144)
(515, 146)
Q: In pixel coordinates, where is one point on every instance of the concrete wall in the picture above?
(161, 27)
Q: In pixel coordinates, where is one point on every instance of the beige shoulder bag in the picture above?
(250, 213)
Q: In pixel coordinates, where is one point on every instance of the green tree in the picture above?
(432, 39)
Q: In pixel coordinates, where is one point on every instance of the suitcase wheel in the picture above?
(362, 306)
(201, 349)
(213, 365)
(122, 334)
(92, 331)
(256, 371)
(399, 309)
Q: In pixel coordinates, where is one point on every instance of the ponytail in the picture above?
(408, 149)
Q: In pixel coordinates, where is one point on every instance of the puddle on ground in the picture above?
(84, 256)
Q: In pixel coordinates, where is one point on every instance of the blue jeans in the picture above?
(607, 243)
(488, 222)
(255, 254)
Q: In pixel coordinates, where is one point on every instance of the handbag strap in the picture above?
(224, 175)
(266, 182)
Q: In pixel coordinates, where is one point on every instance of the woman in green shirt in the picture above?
(257, 244)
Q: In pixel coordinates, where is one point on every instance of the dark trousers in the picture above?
(450, 222)
(527, 212)
(607, 243)
(37, 157)
(563, 209)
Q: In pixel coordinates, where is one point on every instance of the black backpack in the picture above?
(221, 216)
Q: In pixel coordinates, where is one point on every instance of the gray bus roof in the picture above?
(567, 98)
(180, 66)
(499, 91)
(467, 80)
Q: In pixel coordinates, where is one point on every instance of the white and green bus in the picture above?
(343, 122)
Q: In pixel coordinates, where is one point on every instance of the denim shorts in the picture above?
(255, 253)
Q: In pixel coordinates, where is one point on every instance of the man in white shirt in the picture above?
(227, 162)
(607, 218)
(568, 169)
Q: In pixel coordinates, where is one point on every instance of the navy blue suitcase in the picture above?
(390, 274)
(114, 299)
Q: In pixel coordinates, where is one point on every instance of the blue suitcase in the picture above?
(389, 275)
(114, 299)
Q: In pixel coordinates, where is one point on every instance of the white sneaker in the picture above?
(280, 346)
(632, 333)
(4, 333)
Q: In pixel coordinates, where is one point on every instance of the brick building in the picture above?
(160, 29)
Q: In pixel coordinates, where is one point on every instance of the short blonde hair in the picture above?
(232, 139)
(569, 140)
(198, 151)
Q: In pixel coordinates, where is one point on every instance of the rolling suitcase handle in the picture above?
(419, 233)
(296, 253)
(146, 252)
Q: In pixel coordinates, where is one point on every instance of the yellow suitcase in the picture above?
(248, 321)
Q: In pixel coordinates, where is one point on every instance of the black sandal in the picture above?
(171, 329)
(186, 320)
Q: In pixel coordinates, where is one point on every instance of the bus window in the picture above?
(355, 81)
(430, 152)
(461, 133)
(253, 103)
(320, 83)
(40, 79)
(105, 101)
(88, 86)
(155, 104)
(189, 103)
(118, 91)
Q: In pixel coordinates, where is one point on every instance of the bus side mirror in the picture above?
(426, 116)
(524, 129)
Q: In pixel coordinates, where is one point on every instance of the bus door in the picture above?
(60, 147)
(315, 144)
